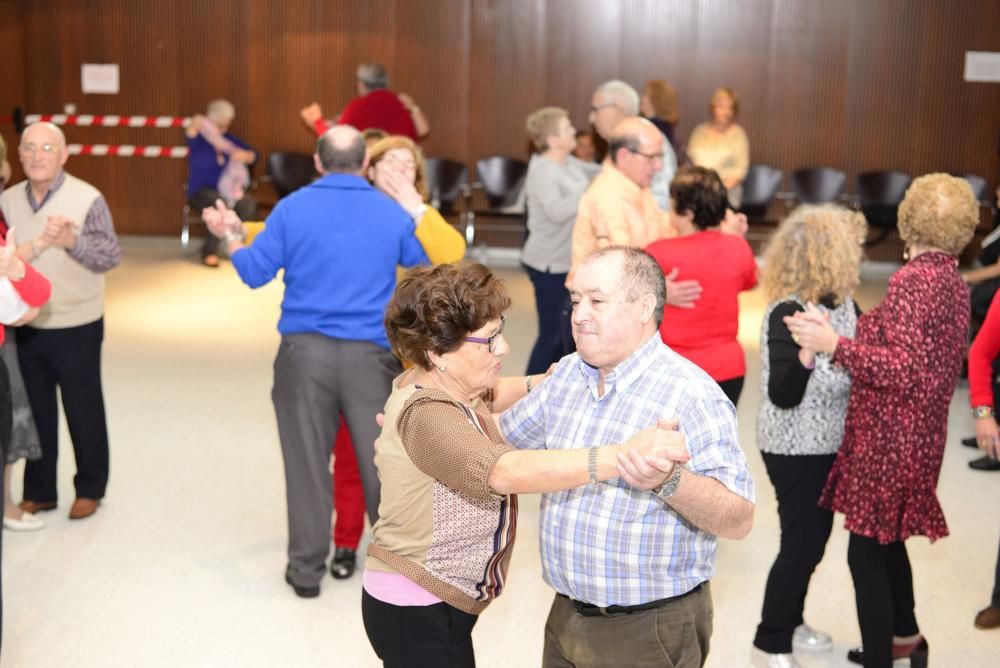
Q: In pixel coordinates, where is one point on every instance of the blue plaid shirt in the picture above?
(611, 544)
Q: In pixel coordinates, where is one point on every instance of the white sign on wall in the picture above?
(102, 79)
(982, 66)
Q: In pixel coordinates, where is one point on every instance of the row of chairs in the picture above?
(876, 193)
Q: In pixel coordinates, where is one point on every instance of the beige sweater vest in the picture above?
(77, 293)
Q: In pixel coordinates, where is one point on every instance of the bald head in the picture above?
(45, 132)
(341, 149)
(636, 149)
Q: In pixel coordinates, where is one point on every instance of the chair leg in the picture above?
(470, 228)
(185, 227)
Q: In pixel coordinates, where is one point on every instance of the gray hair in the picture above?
(220, 110)
(60, 135)
(341, 149)
(641, 275)
(373, 75)
(621, 95)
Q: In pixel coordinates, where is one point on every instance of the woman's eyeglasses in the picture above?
(491, 341)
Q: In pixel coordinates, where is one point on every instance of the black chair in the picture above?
(445, 179)
(501, 179)
(818, 185)
(289, 171)
(878, 195)
(759, 188)
(980, 188)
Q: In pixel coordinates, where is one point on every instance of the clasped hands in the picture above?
(222, 221)
(811, 329)
(58, 231)
(646, 460)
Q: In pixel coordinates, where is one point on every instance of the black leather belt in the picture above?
(590, 610)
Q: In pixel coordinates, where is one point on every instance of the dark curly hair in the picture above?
(699, 191)
(435, 308)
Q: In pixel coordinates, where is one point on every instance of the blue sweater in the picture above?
(204, 169)
(339, 241)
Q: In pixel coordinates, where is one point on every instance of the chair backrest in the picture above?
(502, 179)
(817, 185)
(884, 188)
(290, 171)
(760, 186)
(445, 179)
(978, 184)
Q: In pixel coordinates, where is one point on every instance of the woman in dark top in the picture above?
(813, 257)
(904, 362)
(659, 105)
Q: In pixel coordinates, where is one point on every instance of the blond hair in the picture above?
(542, 124)
(815, 252)
(940, 211)
(383, 146)
(724, 91)
(663, 97)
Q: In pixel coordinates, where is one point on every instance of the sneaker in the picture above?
(761, 659)
(27, 522)
(808, 639)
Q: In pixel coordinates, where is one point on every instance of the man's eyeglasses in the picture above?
(491, 341)
(594, 108)
(30, 149)
(648, 156)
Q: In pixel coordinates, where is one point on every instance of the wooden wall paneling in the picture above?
(13, 92)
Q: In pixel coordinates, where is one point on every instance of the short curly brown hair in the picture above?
(435, 308)
(700, 192)
(939, 210)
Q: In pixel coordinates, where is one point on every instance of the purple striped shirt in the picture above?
(611, 544)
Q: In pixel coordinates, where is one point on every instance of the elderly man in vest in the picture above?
(65, 230)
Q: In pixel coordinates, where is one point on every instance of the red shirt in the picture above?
(706, 334)
(981, 355)
(34, 288)
(380, 109)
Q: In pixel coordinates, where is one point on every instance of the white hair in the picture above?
(221, 110)
(622, 95)
(56, 130)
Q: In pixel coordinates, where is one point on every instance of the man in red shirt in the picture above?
(376, 107)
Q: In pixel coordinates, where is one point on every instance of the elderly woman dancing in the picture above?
(447, 518)
(813, 258)
(904, 362)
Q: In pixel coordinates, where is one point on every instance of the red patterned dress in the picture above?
(904, 362)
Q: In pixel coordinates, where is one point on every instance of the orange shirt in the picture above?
(615, 207)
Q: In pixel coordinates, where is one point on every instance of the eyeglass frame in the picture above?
(31, 149)
(595, 108)
(492, 341)
(654, 156)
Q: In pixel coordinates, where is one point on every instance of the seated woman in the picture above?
(721, 263)
(396, 167)
(722, 144)
(442, 543)
(814, 257)
(554, 185)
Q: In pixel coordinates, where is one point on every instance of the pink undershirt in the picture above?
(396, 589)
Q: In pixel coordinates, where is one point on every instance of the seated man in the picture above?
(210, 150)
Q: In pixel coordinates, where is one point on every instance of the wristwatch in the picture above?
(670, 485)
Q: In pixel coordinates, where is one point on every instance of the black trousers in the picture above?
(68, 360)
(550, 296)
(805, 527)
(733, 388)
(995, 599)
(883, 592)
(5, 430)
(432, 636)
(245, 208)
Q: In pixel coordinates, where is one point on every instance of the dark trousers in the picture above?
(417, 636)
(566, 325)
(805, 527)
(883, 591)
(5, 430)
(995, 600)
(733, 388)
(68, 360)
(550, 297)
(245, 208)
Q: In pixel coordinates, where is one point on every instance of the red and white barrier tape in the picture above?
(127, 151)
(111, 121)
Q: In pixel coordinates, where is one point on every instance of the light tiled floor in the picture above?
(183, 564)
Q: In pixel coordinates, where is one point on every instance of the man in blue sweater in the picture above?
(339, 241)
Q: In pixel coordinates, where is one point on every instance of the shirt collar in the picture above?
(618, 180)
(338, 180)
(56, 183)
(625, 374)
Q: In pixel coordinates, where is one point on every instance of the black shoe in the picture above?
(918, 656)
(343, 563)
(970, 442)
(301, 591)
(985, 463)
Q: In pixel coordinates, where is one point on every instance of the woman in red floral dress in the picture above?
(904, 362)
